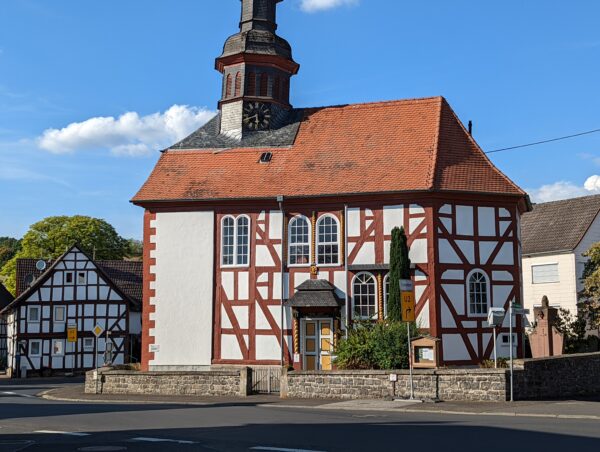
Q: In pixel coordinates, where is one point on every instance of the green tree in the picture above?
(135, 249)
(399, 269)
(51, 237)
(8, 248)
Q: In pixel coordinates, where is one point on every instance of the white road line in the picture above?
(17, 395)
(161, 440)
(279, 449)
(58, 432)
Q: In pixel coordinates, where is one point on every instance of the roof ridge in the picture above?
(436, 147)
(567, 200)
(382, 103)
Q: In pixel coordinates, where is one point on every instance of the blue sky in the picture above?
(89, 90)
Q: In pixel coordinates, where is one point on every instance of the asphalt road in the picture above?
(31, 424)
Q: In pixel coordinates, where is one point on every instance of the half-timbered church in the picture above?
(267, 231)
(76, 292)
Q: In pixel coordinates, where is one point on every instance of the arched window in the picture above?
(264, 84)
(235, 241)
(238, 84)
(478, 293)
(228, 86)
(299, 241)
(364, 296)
(251, 88)
(328, 247)
(386, 294)
(277, 88)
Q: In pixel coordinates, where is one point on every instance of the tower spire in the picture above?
(257, 65)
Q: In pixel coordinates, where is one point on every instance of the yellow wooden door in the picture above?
(325, 344)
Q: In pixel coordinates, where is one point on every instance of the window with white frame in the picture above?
(478, 293)
(235, 238)
(328, 247)
(88, 344)
(505, 340)
(35, 347)
(386, 293)
(58, 347)
(59, 313)
(33, 314)
(544, 274)
(69, 278)
(81, 278)
(299, 241)
(364, 296)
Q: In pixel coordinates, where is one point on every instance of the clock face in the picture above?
(257, 116)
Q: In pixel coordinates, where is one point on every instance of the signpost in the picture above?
(97, 330)
(72, 338)
(407, 304)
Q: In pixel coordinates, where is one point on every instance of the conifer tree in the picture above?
(399, 269)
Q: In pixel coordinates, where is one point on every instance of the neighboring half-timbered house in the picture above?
(268, 230)
(5, 299)
(73, 291)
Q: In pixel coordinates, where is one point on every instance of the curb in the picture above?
(46, 396)
(445, 412)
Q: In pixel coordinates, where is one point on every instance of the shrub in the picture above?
(374, 346)
(503, 363)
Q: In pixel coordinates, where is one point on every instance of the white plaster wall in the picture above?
(454, 348)
(393, 216)
(231, 119)
(562, 293)
(184, 289)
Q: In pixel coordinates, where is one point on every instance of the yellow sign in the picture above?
(407, 301)
(97, 330)
(72, 333)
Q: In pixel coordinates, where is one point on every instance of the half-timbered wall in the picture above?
(472, 237)
(75, 293)
(3, 341)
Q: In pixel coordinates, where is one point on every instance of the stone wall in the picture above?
(558, 377)
(201, 384)
(472, 384)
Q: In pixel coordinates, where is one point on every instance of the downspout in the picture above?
(346, 268)
(282, 269)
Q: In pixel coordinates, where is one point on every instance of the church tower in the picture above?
(257, 66)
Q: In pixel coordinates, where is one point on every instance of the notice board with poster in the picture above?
(425, 352)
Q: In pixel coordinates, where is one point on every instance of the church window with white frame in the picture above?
(364, 296)
(235, 241)
(478, 291)
(299, 241)
(328, 245)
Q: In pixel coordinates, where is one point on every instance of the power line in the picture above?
(545, 141)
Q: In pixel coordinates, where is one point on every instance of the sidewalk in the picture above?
(574, 409)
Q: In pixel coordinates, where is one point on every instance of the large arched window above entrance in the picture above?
(235, 241)
(299, 241)
(328, 240)
(478, 293)
(364, 296)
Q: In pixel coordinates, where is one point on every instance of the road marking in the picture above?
(58, 432)
(17, 395)
(161, 440)
(279, 449)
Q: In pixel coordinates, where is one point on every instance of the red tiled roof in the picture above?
(409, 145)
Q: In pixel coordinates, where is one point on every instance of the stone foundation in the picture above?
(200, 384)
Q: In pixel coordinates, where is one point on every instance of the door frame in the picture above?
(318, 355)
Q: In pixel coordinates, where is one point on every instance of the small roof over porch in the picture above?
(315, 293)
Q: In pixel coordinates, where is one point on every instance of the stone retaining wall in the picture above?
(202, 384)
(558, 377)
(472, 384)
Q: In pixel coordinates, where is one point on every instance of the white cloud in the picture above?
(311, 6)
(565, 190)
(130, 134)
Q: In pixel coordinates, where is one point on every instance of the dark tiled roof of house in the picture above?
(126, 275)
(5, 297)
(352, 149)
(559, 225)
(315, 293)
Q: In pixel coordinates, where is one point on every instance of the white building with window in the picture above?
(555, 236)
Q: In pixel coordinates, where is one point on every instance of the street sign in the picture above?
(407, 300)
(97, 330)
(72, 333)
